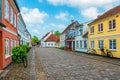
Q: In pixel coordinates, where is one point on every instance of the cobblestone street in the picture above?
(64, 65)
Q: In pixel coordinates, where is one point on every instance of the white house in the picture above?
(49, 40)
(81, 38)
(62, 40)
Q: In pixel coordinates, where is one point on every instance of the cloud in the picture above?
(90, 13)
(35, 31)
(57, 25)
(40, 1)
(84, 5)
(33, 16)
(62, 16)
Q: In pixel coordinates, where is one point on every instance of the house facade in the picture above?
(70, 36)
(104, 32)
(81, 37)
(23, 34)
(8, 30)
(62, 40)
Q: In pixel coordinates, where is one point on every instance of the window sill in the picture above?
(113, 50)
(7, 56)
(111, 30)
(91, 33)
(100, 32)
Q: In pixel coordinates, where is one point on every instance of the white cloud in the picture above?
(35, 31)
(33, 16)
(81, 3)
(40, 1)
(57, 25)
(84, 5)
(62, 16)
(90, 13)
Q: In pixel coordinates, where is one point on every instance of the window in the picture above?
(92, 30)
(100, 27)
(11, 46)
(14, 20)
(14, 43)
(112, 44)
(100, 44)
(112, 24)
(85, 43)
(11, 15)
(6, 47)
(80, 43)
(92, 44)
(81, 30)
(77, 43)
(6, 11)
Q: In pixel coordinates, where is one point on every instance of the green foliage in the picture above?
(57, 33)
(35, 39)
(62, 47)
(16, 53)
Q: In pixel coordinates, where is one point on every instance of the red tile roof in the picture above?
(111, 12)
(53, 38)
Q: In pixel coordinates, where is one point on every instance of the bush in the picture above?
(62, 47)
(16, 53)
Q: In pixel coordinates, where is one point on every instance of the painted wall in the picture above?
(0, 9)
(106, 35)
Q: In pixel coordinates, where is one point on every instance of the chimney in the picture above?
(72, 21)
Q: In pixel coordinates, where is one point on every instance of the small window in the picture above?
(100, 44)
(112, 24)
(6, 10)
(100, 27)
(77, 43)
(6, 47)
(85, 43)
(92, 30)
(92, 44)
(80, 43)
(112, 44)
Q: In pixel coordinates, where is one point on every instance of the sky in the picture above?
(42, 16)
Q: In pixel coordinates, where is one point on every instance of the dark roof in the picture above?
(86, 34)
(16, 5)
(68, 27)
(110, 12)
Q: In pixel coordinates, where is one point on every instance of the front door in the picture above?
(73, 45)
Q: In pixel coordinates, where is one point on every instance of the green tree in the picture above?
(56, 33)
(35, 39)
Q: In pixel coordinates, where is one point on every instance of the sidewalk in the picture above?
(18, 72)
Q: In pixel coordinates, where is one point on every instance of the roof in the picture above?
(45, 35)
(68, 27)
(53, 38)
(110, 12)
(86, 34)
(16, 5)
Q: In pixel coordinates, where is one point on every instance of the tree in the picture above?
(57, 33)
(35, 39)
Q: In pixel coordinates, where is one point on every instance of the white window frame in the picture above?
(85, 42)
(111, 24)
(77, 44)
(92, 30)
(81, 43)
(100, 44)
(6, 10)
(100, 27)
(92, 43)
(7, 48)
(11, 46)
(112, 44)
(15, 20)
(11, 15)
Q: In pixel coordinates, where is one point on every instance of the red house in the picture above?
(8, 30)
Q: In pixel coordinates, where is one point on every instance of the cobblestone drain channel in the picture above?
(33, 70)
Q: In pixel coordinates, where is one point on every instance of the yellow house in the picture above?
(104, 32)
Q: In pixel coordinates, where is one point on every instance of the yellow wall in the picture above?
(106, 35)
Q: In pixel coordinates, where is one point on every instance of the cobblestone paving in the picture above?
(61, 65)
